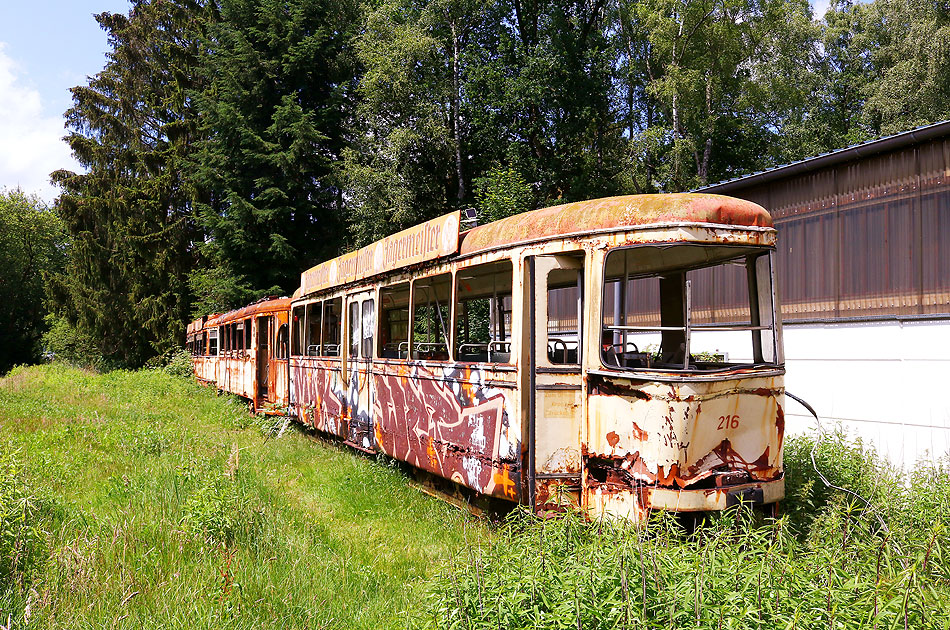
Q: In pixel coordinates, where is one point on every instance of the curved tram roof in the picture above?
(613, 214)
(440, 237)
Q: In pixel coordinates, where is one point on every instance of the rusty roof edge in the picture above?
(614, 230)
(854, 152)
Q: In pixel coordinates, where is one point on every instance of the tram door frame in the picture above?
(556, 395)
(264, 377)
(360, 390)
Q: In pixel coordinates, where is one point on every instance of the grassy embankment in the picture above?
(140, 499)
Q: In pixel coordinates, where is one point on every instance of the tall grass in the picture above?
(150, 502)
(827, 563)
(140, 500)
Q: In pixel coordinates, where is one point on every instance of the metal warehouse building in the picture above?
(864, 277)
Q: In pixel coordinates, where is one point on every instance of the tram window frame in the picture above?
(674, 270)
(332, 331)
(204, 345)
(313, 347)
(367, 327)
(437, 325)
(354, 332)
(247, 336)
(500, 305)
(213, 347)
(298, 327)
(389, 345)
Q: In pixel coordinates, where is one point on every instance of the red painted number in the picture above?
(728, 422)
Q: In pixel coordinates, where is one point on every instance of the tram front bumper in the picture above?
(714, 499)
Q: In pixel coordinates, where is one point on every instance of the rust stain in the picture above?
(613, 439)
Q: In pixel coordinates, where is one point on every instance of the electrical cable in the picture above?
(814, 464)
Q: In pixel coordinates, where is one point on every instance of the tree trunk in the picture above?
(456, 115)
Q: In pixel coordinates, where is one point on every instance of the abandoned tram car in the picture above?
(624, 354)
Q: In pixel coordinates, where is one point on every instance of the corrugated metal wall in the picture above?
(864, 239)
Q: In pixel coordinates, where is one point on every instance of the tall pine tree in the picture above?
(279, 88)
(129, 216)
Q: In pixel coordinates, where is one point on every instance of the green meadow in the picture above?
(142, 500)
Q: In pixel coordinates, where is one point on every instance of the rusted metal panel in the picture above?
(261, 307)
(237, 375)
(715, 434)
(449, 421)
(433, 239)
(614, 214)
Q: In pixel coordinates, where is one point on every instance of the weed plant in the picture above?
(828, 563)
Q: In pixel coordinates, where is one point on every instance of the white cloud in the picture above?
(31, 145)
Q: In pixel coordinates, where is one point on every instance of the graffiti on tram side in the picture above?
(452, 423)
(319, 396)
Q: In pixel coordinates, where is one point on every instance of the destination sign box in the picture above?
(427, 241)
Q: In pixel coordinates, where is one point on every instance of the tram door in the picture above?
(361, 324)
(555, 379)
(263, 360)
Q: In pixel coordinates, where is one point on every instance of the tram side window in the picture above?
(203, 349)
(483, 313)
(394, 321)
(332, 330)
(355, 332)
(314, 326)
(297, 338)
(282, 344)
(430, 316)
(564, 316)
(247, 334)
(239, 335)
(213, 343)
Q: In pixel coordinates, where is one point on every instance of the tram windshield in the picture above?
(690, 308)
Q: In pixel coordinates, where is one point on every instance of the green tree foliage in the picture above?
(912, 40)
(501, 193)
(129, 214)
(540, 88)
(230, 144)
(32, 243)
(401, 167)
(279, 83)
(710, 84)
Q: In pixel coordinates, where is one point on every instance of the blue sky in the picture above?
(47, 47)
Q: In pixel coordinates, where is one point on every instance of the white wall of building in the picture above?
(885, 382)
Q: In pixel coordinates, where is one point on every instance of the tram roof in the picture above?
(262, 306)
(613, 213)
(440, 237)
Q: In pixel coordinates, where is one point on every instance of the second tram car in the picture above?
(622, 354)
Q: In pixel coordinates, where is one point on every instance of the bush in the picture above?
(62, 342)
(180, 364)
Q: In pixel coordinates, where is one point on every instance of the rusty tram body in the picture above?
(245, 352)
(621, 354)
